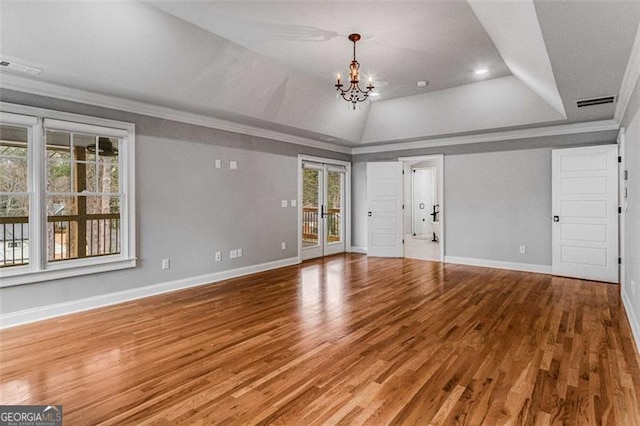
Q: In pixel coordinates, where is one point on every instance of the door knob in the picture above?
(556, 218)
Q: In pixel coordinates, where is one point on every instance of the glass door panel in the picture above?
(334, 240)
(322, 210)
(312, 235)
(334, 203)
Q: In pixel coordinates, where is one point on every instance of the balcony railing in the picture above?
(14, 247)
(101, 233)
(310, 224)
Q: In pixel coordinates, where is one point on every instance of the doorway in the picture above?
(423, 213)
(423, 200)
(390, 224)
(323, 213)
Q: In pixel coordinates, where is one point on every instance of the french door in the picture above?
(323, 218)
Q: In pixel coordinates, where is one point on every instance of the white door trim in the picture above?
(347, 198)
(440, 159)
(622, 204)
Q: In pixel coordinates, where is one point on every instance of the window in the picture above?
(14, 194)
(66, 195)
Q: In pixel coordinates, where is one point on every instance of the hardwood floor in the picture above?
(344, 340)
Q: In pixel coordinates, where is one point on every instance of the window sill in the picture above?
(58, 271)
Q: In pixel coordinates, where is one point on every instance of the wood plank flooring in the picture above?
(341, 340)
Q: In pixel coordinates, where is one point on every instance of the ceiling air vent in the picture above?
(596, 101)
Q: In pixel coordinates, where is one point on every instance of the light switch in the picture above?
(233, 164)
(294, 203)
(218, 164)
(284, 203)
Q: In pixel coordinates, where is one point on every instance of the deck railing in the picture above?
(101, 233)
(310, 224)
(14, 247)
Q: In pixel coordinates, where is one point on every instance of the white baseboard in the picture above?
(361, 250)
(633, 319)
(37, 314)
(513, 266)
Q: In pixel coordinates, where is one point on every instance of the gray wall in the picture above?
(495, 202)
(186, 208)
(496, 196)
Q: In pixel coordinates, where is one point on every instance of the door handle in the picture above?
(556, 218)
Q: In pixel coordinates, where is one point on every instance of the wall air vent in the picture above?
(596, 101)
(20, 68)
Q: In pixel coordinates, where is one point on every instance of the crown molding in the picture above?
(535, 132)
(631, 75)
(41, 88)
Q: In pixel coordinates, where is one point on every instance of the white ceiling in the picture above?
(440, 42)
(272, 65)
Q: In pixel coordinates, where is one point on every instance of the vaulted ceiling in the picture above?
(272, 65)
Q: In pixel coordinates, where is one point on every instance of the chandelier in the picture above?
(354, 93)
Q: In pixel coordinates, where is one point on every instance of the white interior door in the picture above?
(384, 200)
(423, 199)
(585, 212)
(323, 194)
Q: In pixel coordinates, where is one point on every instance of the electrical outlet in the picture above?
(218, 256)
(218, 164)
(294, 203)
(284, 203)
(239, 252)
(632, 284)
(523, 249)
(284, 245)
(166, 264)
(233, 164)
(233, 254)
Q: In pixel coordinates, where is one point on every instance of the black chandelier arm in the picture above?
(354, 87)
(354, 96)
(369, 89)
(354, 100)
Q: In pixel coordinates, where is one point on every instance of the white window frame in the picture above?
(38, 269)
